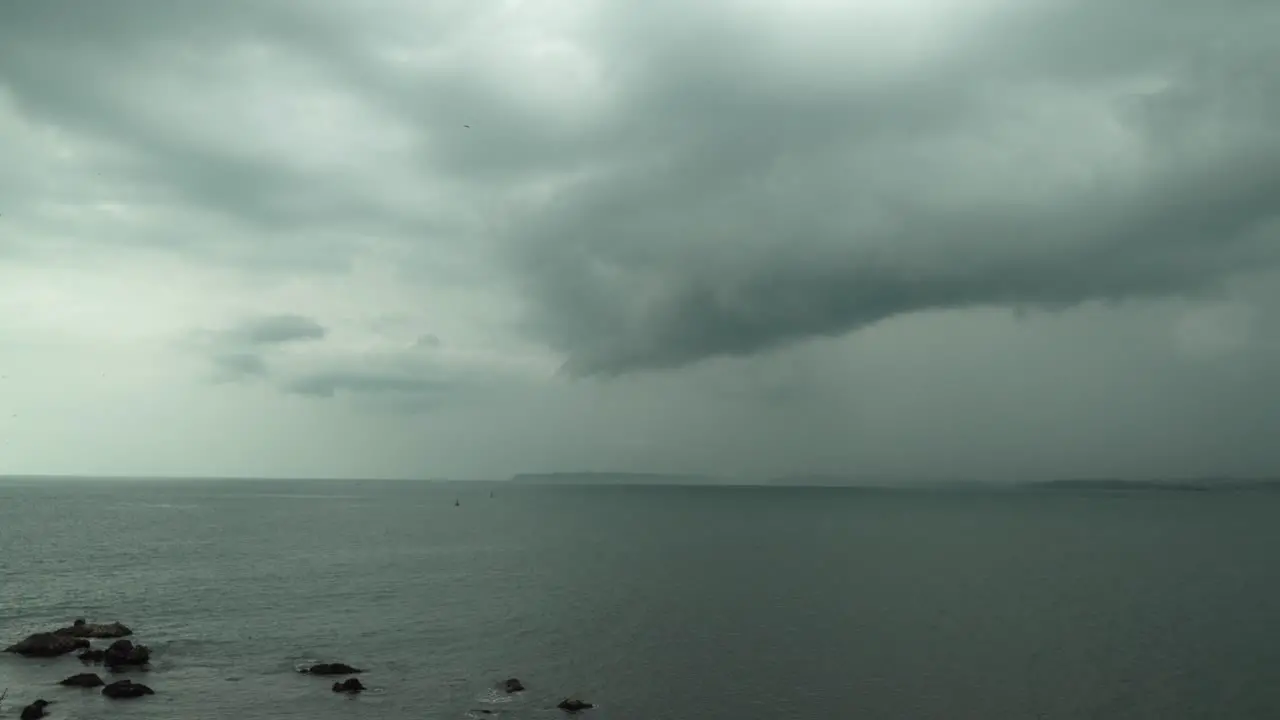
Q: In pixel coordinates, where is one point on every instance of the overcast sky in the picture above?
(426, 238)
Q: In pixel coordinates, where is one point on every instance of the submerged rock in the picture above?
(126, 690)
(82, 629)
(513, 685)
(92, 656)
(332, 669)
(35, 710)
(47, 645)
(84, 680)
(350, 685)
(123, 653)
(574, 705)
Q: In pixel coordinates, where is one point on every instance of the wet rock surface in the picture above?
(83, 680)
(124, 653)
(35, 710)
(126, 690)
(350, 685)
(574, 705)
(332, 669)
(82, 629)
(47, 645)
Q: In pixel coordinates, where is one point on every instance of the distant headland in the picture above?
(615, 478)
(815, 480)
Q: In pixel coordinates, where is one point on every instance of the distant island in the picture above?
(878, 482)
(1190, 485)
(1113, 484)
(815, 480)
(867, 482)
(615, 478)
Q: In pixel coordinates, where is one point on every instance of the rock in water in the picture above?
(350, 685)
(84, 680)
(513, 685)
(82, 629)
(35, 710)
(124, 653)
(332, 669)
(47, 645)
(574, 705)
(126, 689)
(92, 656)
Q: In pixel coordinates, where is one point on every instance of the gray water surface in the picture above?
(707, 603)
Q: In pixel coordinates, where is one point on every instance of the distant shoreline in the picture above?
(641, 479)
(838, 482)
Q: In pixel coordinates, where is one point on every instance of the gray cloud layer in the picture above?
(740, 189)
(409, 380)
(746, 216)
(240, 352)
(276, 330)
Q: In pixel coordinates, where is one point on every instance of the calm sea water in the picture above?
(656, 603)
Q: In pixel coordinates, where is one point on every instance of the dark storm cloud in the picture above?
(771, 211)
(1184, 237)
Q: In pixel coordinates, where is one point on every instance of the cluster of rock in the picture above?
(353, 685)
(119, 690)
(123, 654)
(68, 639)
(569, 704)
(350, 685)
(119, 655)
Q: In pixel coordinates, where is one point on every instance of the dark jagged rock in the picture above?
(47, 645)
(574, 705)
(35, 710)
(84, 680)
(92, 656)
(332, 669)
(126, 690)
(104, 631)
(513, 685)
(123, 653)
(350, 685)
